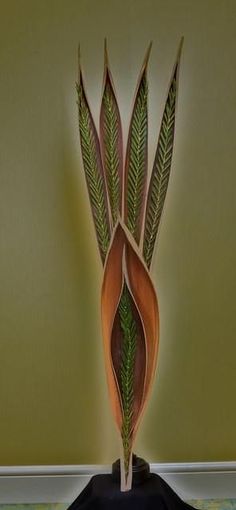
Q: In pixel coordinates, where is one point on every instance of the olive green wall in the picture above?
(53, 397)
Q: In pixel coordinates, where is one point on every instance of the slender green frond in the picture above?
(136, 161)
(129, 330)
(111, 144)
(93, 172)
(136, 169)
(161, 170)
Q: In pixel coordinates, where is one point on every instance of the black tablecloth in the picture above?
(103, 493)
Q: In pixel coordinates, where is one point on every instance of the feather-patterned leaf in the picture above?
(111, 142)
(161, 168)
(136, 157)
(94, 173)
(127, 370)
(130, 323)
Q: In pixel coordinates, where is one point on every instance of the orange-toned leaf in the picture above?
(126, 275)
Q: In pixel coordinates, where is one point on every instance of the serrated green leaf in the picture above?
(93, 172)
(111, 143)
(129, 329)
(136, 158)
(161, 169)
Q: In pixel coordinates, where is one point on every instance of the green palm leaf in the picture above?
(129, 330)
(111, 142)
(93, 168)
(136, 157)
(161, 168)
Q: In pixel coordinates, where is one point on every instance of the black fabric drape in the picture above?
(103, 493)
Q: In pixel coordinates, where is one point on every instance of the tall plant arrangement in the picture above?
(126, 212)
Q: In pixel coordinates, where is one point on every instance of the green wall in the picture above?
(53, 398)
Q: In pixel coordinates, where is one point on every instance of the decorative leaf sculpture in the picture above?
(111, 143)
(130, 317)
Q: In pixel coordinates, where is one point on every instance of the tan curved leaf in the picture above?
(146, 301)
(110, 296)
(130, 323)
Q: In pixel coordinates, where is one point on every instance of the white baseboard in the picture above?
(62, 484)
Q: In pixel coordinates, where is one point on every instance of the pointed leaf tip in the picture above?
(180, 49)
(106, 61)
(149, 49)
(147, 55)
(79, 63)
